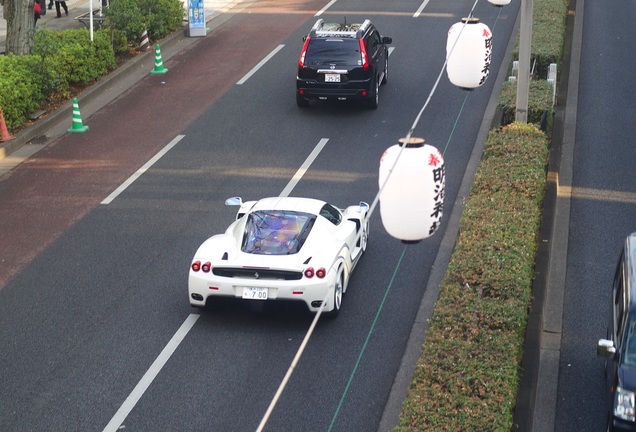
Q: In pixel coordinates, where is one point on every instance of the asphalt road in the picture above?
(603, 207)
(94, 294)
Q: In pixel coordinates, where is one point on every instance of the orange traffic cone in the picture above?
(3, 129)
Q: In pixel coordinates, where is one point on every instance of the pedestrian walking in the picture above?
(50, 4)
(57, 8)
(36, 12)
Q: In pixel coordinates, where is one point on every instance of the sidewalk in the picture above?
(76, 8)
(49, 20)
(102, 92)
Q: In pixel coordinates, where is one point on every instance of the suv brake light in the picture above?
(301, 60)
(363, 51)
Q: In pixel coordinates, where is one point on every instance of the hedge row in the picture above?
(548, 22)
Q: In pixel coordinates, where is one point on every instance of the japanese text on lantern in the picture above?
(486, 70)
(438, 198)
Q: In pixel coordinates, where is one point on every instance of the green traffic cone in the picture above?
(159, 69)
(77, 119)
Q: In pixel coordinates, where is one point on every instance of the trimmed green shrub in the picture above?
(164, 16)
(132, 17)
(126, 16)
(548, 22)
(539, 101)
(20, 90)
(81, 61)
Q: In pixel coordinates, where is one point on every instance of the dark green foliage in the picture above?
(20, 91)
(539, 101)
(547, 35)
(81, 61)
(164, 16)
(126, 16)
(132, 17)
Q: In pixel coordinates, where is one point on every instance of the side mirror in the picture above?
(364, 206)
(304, 38)
(234, 201)
(605, 348)
(386, 40)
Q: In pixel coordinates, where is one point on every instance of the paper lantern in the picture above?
(469, 51)
(412, 190)
(499, 3)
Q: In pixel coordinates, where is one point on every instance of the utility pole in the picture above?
(525, 45)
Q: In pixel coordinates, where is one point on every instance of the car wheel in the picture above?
(386, 70)
(375, 96)
(338, 291)
(364, 238)
(301, 101)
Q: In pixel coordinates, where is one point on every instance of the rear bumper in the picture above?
(311, 89)
(622, 425)
(202, 286)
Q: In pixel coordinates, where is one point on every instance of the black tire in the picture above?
(338, 293)
(385, 78)
(364, 238)
(374, 98)
(301, 101)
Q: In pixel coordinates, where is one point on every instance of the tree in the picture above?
(20, 28)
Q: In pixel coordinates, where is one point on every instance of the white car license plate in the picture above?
(332, 77)
(255, 293)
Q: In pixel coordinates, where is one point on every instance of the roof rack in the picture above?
(323, 29)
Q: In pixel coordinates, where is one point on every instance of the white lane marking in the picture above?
(260, 65)
(150, 375)
(420, 9)
(142, 170)
(325, 8)
(292, 367)
(304, 167)
(391, 50)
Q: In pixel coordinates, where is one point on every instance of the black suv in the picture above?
(620, 346)
(342, 62)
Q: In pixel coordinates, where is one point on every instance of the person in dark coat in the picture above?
(57, 8)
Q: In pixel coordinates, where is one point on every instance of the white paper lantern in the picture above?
(499, 2)
(412, 198)
(469, 51)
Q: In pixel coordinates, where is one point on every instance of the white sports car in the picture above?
(282, 249)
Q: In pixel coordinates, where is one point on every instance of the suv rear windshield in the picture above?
(333, 50)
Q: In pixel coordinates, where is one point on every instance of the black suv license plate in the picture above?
(332, 77)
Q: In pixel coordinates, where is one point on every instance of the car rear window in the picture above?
(333, 50)
(276, 232)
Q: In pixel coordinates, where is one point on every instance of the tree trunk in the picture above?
(20, 25)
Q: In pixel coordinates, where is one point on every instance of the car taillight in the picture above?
(309, 272)
(363, 51)
(196, 266)
(206, 267)
(321, 272)
(301, 60)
